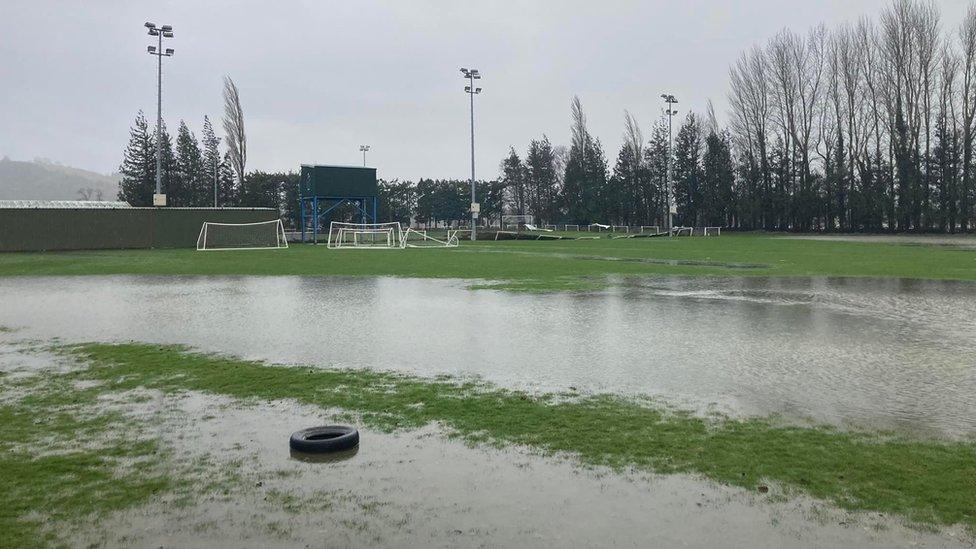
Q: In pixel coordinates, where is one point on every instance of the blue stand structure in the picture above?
(323, 188)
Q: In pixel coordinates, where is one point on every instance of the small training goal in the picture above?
(242, 236)
(365, 236)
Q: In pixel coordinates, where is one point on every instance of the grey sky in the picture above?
(317, 79)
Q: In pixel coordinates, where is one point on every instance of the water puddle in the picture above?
(875, 353)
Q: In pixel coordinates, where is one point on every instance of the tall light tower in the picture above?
(164, 31)
(472, 75)
(363, 149)
(670, 112)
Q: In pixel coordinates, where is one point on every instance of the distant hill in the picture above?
(46, 180)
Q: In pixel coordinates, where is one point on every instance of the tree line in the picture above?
(194, 172)
(866, 127)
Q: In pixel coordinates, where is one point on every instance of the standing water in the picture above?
(878, 353)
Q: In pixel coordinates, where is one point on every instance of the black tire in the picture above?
(325, 439)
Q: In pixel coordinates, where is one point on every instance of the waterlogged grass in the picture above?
(925, 481)
(531, 265)
(62, 461)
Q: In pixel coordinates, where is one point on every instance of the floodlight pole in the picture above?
(363, 149)
(472, 75)
(671, 101)
(164, 31)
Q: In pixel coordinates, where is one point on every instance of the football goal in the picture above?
(365, 236)
(516, 221)
(420, 239)
(717, 231)
(682, 231)
(653, 229)
(242, 236)
(571, 227)
(620, 228)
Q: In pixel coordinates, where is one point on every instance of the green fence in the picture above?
(34, 229)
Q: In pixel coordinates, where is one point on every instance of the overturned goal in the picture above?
(262, 235)
(365, 236)
(417, 238)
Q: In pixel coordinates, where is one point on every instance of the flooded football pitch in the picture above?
(874, 353)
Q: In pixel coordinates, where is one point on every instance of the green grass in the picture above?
(62, 461)
(533, 265)
(925, 481)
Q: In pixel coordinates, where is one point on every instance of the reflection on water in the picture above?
(880, 353)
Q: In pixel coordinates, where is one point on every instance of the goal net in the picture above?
(516, 221)
(421, 239)
(365, 236)
(242, 236)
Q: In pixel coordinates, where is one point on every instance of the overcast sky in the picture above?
(319, 78)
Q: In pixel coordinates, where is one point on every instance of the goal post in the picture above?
(262, 235)
(709, 231)
(420, 239)
(365, 236)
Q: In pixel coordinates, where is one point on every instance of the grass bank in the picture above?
(532, 265)
(925, 481)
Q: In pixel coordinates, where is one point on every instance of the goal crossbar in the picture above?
(259, 235)
(365, 236)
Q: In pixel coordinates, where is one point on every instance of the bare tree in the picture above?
(234, 128)
(967, 42)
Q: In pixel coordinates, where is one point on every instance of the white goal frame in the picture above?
(717, 231)
(623, 228)
(339, 230)
(429, 241)
(280, 239)
(688, 231)
(657, 228)
(567, 227)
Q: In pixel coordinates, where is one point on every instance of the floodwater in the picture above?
(419, 489)
(875, 353)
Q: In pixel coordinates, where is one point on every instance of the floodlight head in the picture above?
(150, 25)
(169, 51)
(464, 70)
(167, 34)
(477, 90)
(167, 28)
(154, 32)
(467, 89)
(152, 49)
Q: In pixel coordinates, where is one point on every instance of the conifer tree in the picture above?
(211, 164)
(138, 169)
(189, 186)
